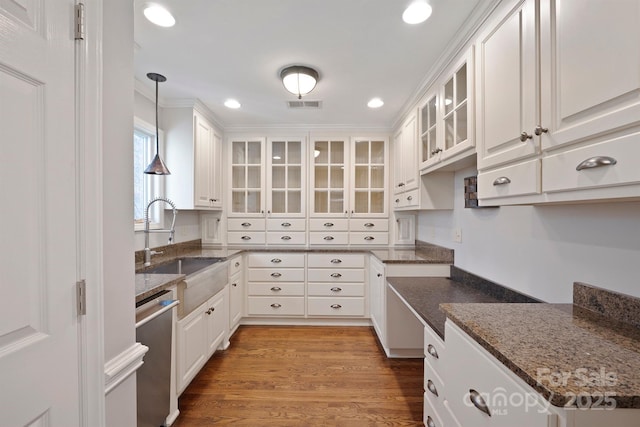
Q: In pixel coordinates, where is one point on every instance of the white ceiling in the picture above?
(222, 49)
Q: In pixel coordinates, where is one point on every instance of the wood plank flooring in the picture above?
(304, 376)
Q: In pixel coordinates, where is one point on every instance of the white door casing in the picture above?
(39, 327)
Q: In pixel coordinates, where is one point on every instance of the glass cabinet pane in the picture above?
(448, 96)
(377, 152)
(278, 202)
(294, 177)
(239, 154)
(321, 152)
(294, 202)
(461, 124)
(337, 201)
(254, 155)
(337, 152)
(321, 177)
(377, 177)
(424, 117)
(253, 201)
(278, 177)
(237, 177)
(362, 152)
(362, 177)
(377, 202)
(337, 177)
(425, 148)
(238, 201)
(432, 112)
(448, 132)
(433, 144)
(278, 150)
(321, 201)
(253, 176)
(461, 85)
(361, 202)
(294, 153)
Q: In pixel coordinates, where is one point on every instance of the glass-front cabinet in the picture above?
(429, 149)
(286, 177)
(369, 177)
(329, 178)
(247, 192)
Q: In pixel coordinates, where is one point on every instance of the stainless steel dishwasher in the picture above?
(154, 328)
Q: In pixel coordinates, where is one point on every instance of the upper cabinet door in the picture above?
(247, 189)
(590, 68)
(286, 176)
(369, 176)
(507, 101)
(429, 149)
(203, 159)
(329, 178)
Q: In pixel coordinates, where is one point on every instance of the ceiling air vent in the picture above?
(305, 105)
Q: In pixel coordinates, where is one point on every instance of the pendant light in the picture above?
(157, 166)
(299, 80)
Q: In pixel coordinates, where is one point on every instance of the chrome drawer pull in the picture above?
(430, 422)
(596, 162)
(276, 289)
(328, 238)
(410, 198)
(286, 237)
(336, 289)
(336, 275)
(276, 274)
(276, 305)
(479, 402)
(432, 351)
(246, 238)
(286, 224)
(246, 224)
(369, 238)
(397, 200)
(328, 224)
(432, 387)
(369, 224)
(336, 261)
(276, 260)
(501, 181)
(336, 306)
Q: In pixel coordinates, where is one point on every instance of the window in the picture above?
(145, 187)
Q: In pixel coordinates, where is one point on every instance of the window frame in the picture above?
(154, 185)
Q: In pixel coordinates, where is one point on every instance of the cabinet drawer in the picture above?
(560, 169)
(338, 290)
(369, 238)
(246, 238)
(286, 238)
(333, 224)
(436, 385)
(477, 371)
(342, 260)
(335, 275)
(276, 275)
(275, 259)
(275, 306)
(321, 306)
(246, 224)
(329, 238)
(521, 179)
(433, 354)
(292, 224)
(410, 198)
(430, 415)
(358, 224)
(276, 289)
(235, 265)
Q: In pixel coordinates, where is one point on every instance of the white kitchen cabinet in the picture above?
(406, 176)
(236, 292)
(198, 335)
(286, 172)
(377, 300)
(329, 177)
(193, 155)
(246, 175)
(369, 176)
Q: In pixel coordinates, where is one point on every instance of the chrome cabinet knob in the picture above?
(524, 136)
(539, 130)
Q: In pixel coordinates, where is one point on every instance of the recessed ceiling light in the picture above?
(417, 12)
(232, 103)
(375, 103)
(159, 15)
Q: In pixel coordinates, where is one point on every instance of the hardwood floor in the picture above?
(304, 376)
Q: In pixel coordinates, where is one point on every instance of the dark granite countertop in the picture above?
(538, 341)
(425, 294)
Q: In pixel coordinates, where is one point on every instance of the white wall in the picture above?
(187, 228)
(542, 250)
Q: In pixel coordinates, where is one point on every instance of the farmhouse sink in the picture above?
(186, 266)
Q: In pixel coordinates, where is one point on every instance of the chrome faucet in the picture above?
(147, 251)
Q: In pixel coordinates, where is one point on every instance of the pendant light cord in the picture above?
(157, 139)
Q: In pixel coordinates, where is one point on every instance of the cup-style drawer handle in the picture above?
(431, 387)
(276, 305)
(246, 238)
(286, 237)
(336, 275)
(276, 289)
(369, 224)
(276, 260)
(397, 200)
(328, 224)
(246, 224)
(410, 198)
(336, 261)
(369, 238)
(286, 224)
(596, 162)
(430, 422)
(328, 237)
(432, 351)
(501, 181)
(336, 306)
(276, 274)
(336, 289)
(479, 402)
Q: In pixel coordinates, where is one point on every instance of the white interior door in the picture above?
(39, 362)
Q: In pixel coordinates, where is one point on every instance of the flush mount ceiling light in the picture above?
(159, 15)
(157, 166)
(375, 103)
(299, 80)
(417, 12)
(232, 103)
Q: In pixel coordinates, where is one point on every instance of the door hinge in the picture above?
(81, 297)
(79, 21)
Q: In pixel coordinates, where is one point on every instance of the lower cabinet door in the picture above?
(330, 306)
(217, 322)
(191, 340)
